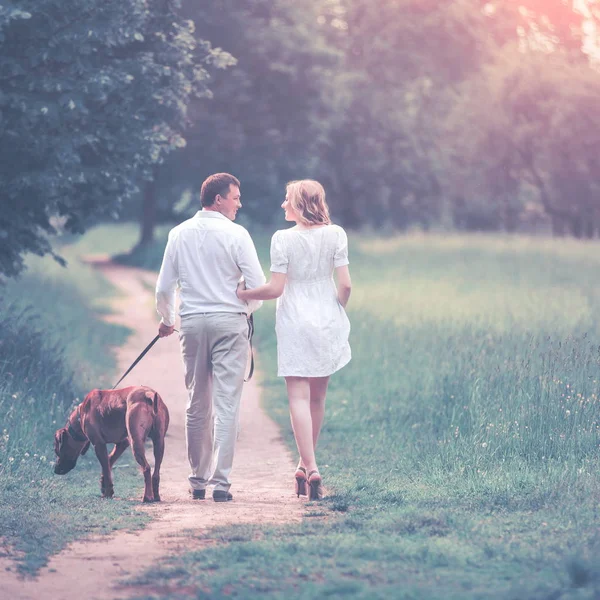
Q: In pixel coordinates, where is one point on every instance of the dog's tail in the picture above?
(153, 397)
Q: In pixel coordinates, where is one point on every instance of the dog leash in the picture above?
(149, 346)
(137, 360)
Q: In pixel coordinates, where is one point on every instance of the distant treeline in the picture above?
(462, 113)
(456, 113)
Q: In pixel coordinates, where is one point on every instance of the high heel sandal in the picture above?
(300, 481)
(315, 486)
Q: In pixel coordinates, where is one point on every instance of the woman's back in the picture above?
(310, 254)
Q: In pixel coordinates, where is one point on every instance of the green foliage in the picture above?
(268, 117)
(447, 123)
(93, 95)
(406, 57)
(536, 145)
(469, 114)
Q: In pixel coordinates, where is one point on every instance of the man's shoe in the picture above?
(198, 494)
(222, 496)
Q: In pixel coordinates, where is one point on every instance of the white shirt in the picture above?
(205, 257)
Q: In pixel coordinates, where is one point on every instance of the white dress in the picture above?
(311, 325)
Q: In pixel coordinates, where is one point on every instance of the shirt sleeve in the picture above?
(279, 259)
(249, 265)
(340, 258)
(166, 285)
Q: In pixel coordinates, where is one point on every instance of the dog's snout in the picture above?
(62, 468)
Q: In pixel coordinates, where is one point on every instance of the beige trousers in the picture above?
(214, 347)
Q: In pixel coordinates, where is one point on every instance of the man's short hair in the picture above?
(217, 184)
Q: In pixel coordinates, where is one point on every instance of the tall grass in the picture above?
(495, 350)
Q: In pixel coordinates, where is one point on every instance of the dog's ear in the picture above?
(59, 439)
(85, 448)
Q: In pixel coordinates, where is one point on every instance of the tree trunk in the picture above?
(148, 217)
(577, 226)
(350, 212)
(511, 219)
(558, 225)
(590, 226)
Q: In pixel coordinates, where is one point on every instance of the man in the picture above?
(205, 256)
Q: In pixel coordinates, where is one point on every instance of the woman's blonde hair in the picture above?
(307, 198)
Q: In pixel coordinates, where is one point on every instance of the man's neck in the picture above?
(213, 209)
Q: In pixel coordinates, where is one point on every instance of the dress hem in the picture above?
(328, 374)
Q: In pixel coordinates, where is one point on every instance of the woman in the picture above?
(312, 327)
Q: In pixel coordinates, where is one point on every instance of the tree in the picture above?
(532, 121)
(402, 59)
(541, 24)
(93, 95)
(454, 111)
(268, 116)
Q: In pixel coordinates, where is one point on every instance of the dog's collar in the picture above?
(78, 437)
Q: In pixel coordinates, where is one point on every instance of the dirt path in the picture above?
(262, 475)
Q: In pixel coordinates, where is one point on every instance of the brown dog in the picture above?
(122, 417)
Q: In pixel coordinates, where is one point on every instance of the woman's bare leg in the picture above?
(298, 389)
(318, 392)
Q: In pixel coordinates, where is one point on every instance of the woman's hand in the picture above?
(268, 291)
(240, 289)
(344, 284)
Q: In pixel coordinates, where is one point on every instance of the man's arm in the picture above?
(165, 291)
(250, 267)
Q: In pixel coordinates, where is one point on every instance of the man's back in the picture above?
(205, 256)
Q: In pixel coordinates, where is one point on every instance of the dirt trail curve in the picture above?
(262, 476)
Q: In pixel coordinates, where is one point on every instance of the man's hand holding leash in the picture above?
(165, 330)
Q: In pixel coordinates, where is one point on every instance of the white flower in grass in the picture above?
(11, 459)
(484, 445)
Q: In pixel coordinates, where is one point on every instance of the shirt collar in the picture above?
(210, 214)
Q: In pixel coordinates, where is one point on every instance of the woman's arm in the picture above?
(344, 284)
(268, 291)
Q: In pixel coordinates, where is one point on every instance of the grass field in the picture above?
(461, 443)
(54, 348)
(460, 447)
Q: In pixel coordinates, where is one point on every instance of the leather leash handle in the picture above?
(250, 336)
